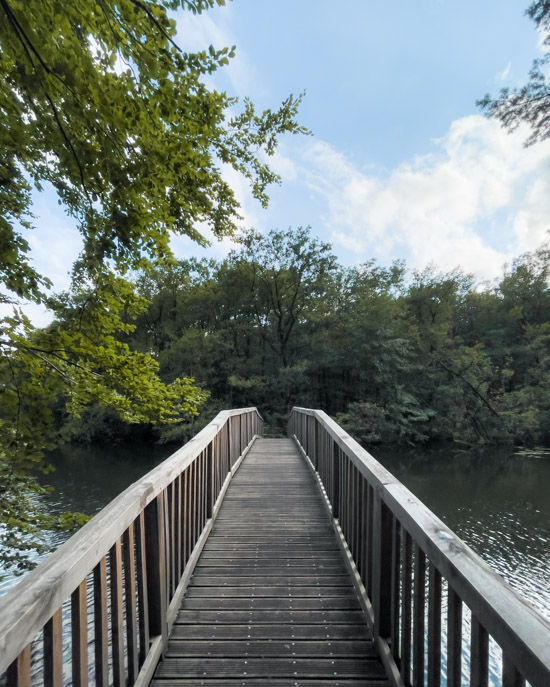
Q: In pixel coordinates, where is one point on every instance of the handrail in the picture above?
(400, 551)
(122, 576)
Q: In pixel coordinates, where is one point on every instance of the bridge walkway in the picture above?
(271, 601)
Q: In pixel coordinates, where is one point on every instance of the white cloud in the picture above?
(503, 75)
(479, 199)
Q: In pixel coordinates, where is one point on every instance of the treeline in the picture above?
(396, 357)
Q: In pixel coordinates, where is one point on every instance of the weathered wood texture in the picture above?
(271, 600)
(406, 559)
(124, 572)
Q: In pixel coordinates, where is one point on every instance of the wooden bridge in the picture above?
(285, 562)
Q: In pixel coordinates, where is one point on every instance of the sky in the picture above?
(400, 163)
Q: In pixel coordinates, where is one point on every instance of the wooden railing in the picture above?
(99, 609)
(439, 615)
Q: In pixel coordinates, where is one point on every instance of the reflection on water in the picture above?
(87, 478)
(497, 503)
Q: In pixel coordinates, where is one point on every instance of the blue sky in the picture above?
(401, 164)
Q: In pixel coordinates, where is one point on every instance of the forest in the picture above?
(396, 356)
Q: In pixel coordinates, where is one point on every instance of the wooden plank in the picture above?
(287, 602)
(434, 627)
(179, 537)
(270, 668)
(196, 617)
(79, 635)
(172, 529)
(269, 631)
(273, 591)
(131, 604)
(156, 567)
(100, 625)
(406, 592)
(18, 673)
(271, 647)
(273, 570)
(185, 516)
(143, 605)
(53, 651)
(117, 614)
(243, 681)
(419, 608)
(511, 677)
(454, 639)
(274, 552)
(479, 655)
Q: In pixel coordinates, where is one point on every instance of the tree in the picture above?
(99, 101)
(287, 273)
(529, 104)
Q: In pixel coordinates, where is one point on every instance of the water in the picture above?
(87, 478)
(498, 503)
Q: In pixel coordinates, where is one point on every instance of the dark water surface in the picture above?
(87, 478)
(497, 502)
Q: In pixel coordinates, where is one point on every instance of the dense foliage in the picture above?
(101, 104)
(396, 357)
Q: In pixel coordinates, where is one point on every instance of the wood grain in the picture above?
(271, 597)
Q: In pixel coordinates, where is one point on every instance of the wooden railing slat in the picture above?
(53, 651)
(79, 635)
(101, 624)
(155, 543)
(419, 608)
(511, 677)
(382, 561)
(434, 627)
(406, 633)
(454, 639)
(141, 575)
(178, 534)
(18, 673)
(130, 603)
(117, 615)
(395, 590)
(479, 656)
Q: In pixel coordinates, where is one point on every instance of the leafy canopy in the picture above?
(529, 104)
(99, 101)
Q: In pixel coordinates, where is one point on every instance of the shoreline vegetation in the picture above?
(397, 357)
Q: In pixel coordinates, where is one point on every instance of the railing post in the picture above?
(210, 479)
(382, 568)
(315, 459)
(335, 496)
(155, 554)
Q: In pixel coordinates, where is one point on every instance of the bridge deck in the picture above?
(271, 601)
